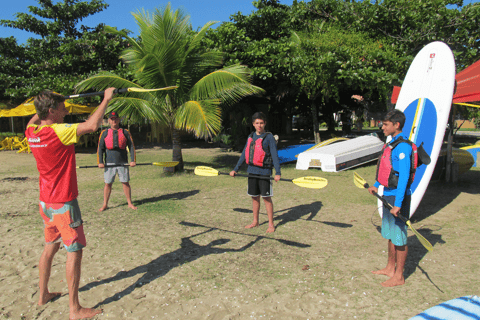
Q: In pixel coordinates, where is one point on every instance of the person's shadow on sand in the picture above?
(297, 213)
(416, 252)
(188, 252)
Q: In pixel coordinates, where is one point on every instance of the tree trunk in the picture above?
(176, 151)
(316, 130)
(288, 123)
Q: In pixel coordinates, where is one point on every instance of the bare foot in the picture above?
(392, 282)
(253, 225)
(131, 206)
(84, 313)
(271, 229)
(385, 272)
(105, 207)
(48, 297)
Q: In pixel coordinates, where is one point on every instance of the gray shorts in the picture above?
(111, 172)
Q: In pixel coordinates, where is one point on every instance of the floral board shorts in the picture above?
(63, 221)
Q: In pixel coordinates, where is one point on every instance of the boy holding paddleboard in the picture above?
(395, 174)
(260, 154)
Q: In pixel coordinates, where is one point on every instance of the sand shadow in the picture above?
(297, 213)
(416, 252)
(439, 194)
(189, 251)
(172, 196)
(283, 241)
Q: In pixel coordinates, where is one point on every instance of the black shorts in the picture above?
(259, 187)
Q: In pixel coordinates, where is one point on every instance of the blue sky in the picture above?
(118, 14)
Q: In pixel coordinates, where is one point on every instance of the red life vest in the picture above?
(255, 154)
(115, 139)
(388, 177)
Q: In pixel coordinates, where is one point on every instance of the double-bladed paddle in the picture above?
(361, 183)
(117, 91)
(160, 164)
(304, 182)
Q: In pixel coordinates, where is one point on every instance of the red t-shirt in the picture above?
(54, 150)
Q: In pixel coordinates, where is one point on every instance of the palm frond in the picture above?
(137, 109)
(203, 118)
(197, 39)
(229, 84)
(104, 80)
(236, 92)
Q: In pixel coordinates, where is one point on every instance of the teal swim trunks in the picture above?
(394, 228)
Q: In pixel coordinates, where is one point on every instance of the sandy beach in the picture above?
(184, 254)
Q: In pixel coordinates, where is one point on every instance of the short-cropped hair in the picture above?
(259, 115)
(395, 116)
(46, 100)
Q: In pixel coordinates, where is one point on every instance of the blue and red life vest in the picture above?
(386, 175)
(115, 139)
(255, 154)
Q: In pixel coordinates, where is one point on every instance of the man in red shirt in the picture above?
(52, 144)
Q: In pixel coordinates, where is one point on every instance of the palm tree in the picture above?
(169, 53)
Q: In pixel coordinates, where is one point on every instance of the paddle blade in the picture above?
(166, 163)
(420, 238)
(205, 171)
(359, 181)
(311, 182)
(149, 90)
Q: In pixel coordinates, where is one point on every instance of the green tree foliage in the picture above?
(61, 55)
(347, 47)
(332, 64)
(408, 25)
(169, 53)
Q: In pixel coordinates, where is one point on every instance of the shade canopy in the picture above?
(28, 108)
(467, 86)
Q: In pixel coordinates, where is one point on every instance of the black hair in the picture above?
(395, 116)
(259, 115)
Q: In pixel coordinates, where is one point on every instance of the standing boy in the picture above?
(260, 153)
(113, 143)
(52, 144)
(397, 194)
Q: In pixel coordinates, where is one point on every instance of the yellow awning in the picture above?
(27, 108)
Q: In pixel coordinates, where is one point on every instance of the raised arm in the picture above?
(95, 120)
(35, 120)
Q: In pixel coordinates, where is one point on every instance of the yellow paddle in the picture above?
(118, 91)
(361, 183)
(304, 182)
(160, 164)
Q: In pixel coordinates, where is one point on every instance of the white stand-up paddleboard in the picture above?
(426, 98)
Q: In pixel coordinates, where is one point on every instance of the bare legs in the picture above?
(128, 193)
(107, 190)
(395, 265)
(74, 262)
(44, 268)
(256, 210)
